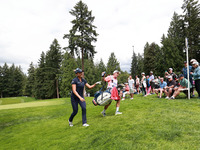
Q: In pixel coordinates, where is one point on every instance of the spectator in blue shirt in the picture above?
(184, 71)
(160, 90)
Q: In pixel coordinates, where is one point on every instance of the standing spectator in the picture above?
(196, 75)
(131, 86)
(148, 85)
(171, 73)
(184, 71)
(144, 84)
(162, 84)
(169, 89)
(151, 78)
(137, 84)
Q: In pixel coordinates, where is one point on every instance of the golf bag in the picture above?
(101, 98)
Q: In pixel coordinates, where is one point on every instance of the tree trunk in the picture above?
(82, 62)
(57, 88)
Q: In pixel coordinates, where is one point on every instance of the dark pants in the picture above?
(143, 90)
(75, 102)
(197, 86)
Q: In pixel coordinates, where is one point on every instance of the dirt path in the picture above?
(32, 104)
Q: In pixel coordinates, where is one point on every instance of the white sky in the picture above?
(28, 27)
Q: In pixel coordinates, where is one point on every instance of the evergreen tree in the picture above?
(30, 81)
(100, 67)
(83, 32)
(52, 70)
(112, 64)
(140, 67)
(68, 66)
(191, 9)
(39, 86)
(134, 65)
(150, 57)
(1, 82)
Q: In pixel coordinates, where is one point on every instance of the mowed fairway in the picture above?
(146, 123)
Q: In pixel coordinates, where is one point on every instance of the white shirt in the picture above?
(130, 83)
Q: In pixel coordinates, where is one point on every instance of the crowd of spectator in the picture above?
(170, 86)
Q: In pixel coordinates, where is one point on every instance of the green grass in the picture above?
(15, 100)
(146, 123)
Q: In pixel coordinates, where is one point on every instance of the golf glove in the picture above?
(99, 82)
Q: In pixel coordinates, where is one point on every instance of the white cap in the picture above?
(195, 63)
(170, 69)
(193, 60)
(116, 71)
(142, 73)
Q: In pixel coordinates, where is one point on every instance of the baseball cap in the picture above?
(142, 73)
(193, 60)
(181, 75)
(116, 71)
(195, 63)
(151, 71)
(185, 62)
(78, 70)
(170, 69)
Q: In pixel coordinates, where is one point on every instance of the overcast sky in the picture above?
(28, 27)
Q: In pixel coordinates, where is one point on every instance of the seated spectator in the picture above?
(161, 89)
(125, 90)
(169, 89)
(183, 86)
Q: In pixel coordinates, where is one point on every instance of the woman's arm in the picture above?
(76, 93)
(90, 86)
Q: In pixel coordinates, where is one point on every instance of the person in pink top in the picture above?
(112, 85)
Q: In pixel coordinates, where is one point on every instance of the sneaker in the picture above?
(131, 98)
(167, 97)
(123, 99)
(118, 113)
(103, 113)
(70, 123)
(86, 125)
(172, 97)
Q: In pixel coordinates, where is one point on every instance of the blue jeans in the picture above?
(75, 102)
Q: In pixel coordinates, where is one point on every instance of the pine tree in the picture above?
(112, 64)
(52, 69)
(191, 9)
(83, 32)
(30, 81)
(68, 66)
(39, 86)
(134, 64)
(151, 57)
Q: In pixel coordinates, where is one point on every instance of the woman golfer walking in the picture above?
(77, 96)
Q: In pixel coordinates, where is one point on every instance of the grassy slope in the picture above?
(146, 123)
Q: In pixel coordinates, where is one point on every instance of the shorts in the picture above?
(131, 91)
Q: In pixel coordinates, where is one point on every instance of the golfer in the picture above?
(77, 96)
